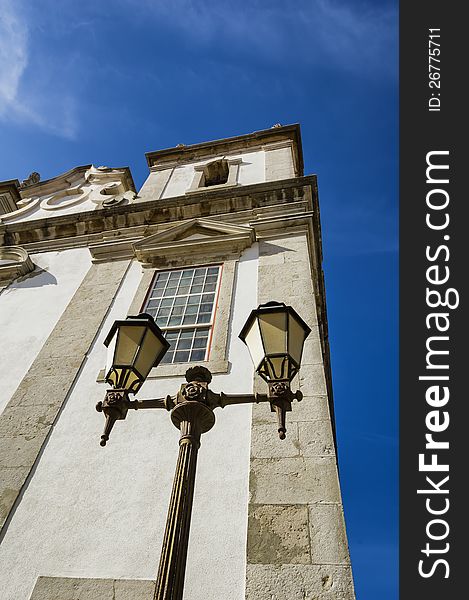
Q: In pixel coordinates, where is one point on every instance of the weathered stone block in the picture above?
(315, 438)
(68, 588)
(133, 589)
(299, 582)
(311, 408)
(313, 380)
(45, 366)
(327, 530)
(30, 393)
(11, 482)
(278, 534)
(300, 480)
(20, 450)
(26, 420)
(265, 442)
(312, 352)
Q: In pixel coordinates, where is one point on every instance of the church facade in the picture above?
(217, 229)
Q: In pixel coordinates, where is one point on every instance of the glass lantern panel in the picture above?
(296, 339)
(274, 332)
(133, 382)
(128, 342)
(254, 343)
(149, 352)
(111, 376)
(278, 367)
(110, 357)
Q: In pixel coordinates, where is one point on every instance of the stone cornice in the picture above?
(75, 230)
(183, 154)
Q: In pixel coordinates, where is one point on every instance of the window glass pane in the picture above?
(197, 355)
(189, 320)
(177, 302)
(168, 357)
(184, 344)
(187, 333)
(200, 342)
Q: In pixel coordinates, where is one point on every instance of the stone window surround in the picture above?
(233, 173)
(217, 361)
(218, 352)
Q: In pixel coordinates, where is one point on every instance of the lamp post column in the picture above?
(193, 417)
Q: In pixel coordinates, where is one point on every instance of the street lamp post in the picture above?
(274, 334)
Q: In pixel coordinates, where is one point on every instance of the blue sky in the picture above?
(103, 82)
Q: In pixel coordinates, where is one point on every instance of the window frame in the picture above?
(232, 181)
(210, 325)
(217, 361)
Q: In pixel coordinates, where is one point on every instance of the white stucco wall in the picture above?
(251, 170)
(31, 307)
(100, 512)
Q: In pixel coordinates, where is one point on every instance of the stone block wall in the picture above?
(297, 546)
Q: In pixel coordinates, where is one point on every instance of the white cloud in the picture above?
(23, 99)
(13, 54)
(353, 37)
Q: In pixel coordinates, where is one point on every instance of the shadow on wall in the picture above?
(37, 278)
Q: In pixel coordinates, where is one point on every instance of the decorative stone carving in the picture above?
(90, 187)
(14, 262)
(202, 174)
(195, 238)
(33, 178)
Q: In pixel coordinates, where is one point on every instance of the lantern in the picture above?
(275, 334)
(135, 345)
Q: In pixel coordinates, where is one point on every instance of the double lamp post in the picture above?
(274, 334)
